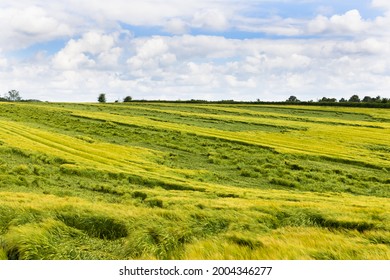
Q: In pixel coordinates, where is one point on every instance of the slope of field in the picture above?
(192, 181)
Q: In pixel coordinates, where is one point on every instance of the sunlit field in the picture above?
(193, 181)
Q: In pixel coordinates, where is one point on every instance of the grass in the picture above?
(190, 181)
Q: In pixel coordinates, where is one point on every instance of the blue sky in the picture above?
(72, 50)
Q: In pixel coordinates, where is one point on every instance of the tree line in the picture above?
(353, 101)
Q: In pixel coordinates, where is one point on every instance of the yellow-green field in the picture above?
(193, 181)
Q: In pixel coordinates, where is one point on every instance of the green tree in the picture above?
(354, 98)
(127, 99)
(292, 98)
(367, 99)
(377, 99)
(13, 95)
(325, 99)
(102, 98)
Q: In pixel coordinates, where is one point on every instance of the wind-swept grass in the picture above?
(329, 140)
(190, 181)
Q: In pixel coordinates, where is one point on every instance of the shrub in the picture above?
(127, 99)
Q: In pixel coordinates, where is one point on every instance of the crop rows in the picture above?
(190, 181)
(346, 142)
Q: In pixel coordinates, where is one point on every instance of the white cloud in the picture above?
(295, 81)
(207, 19)
(381, 4)
(176, 26)
(319, 24)
(235, 82)
(25, 26)
(33, 21)
(91, 50)
(275, 25)
(150, 48)
(173, 15)
(72, 58)
(100, 55)
(151, 54)
(351, 21)
(3, 61)
(185, 67)
(197, 75)
(202, 46)
(325, 10)
(210, 19)
(347, 24)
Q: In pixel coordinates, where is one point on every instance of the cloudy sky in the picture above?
(72, 50)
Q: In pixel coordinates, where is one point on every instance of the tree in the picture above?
(377, 99)
(367, 99)
(102, 98)
(325, 99)
(342, 100)
(127, 99)
(13, 95)
(354, 98)
(292, 98)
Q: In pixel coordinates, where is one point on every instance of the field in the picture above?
(193, 181)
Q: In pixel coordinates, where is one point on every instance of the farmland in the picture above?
(193, 181)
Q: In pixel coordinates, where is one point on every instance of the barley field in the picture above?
(178, 181)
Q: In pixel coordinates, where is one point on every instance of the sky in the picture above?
(73, 50)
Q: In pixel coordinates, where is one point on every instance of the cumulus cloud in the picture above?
(176, 26)
(91, 50)
(210, 19)
(310, 57)
(173, 15)
(152, 57)
(348, 24)
(25, 26)
(157, 68)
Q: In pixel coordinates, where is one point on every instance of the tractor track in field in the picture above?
(62, 148)
(66, 147)
(319, 139)
(304, 142)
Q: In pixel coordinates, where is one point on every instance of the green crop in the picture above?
(192, 181)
